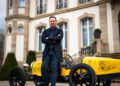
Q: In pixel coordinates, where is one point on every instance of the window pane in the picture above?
(10, 3)
(21, 3)
(41, 6)
(64, 40)
(61, 4)
(20, 30)
(84, 1)
(41, 45)
(87, 31)
(91, 35)
(85, 41)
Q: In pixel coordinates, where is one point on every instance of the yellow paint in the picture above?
(36, 69)
(65, 71)
(103, 65)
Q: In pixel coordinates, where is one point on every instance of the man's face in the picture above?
(52, 22)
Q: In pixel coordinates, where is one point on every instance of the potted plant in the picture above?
(97, 33)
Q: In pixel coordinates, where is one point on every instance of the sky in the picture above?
(2, 13)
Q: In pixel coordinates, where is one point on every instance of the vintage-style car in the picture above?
(92, 71)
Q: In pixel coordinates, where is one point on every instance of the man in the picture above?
(52, 55)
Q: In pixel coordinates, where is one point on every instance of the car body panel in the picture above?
(36, 69)
(103, 65)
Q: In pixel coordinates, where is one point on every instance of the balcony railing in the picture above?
(88, 51)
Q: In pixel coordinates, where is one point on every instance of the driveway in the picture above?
(30, 83)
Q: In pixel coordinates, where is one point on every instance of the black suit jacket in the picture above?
(53, 37)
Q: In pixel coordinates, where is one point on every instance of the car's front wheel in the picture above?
(82, 75)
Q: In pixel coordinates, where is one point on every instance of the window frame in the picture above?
(38, 41)
(65, 32)
(64, 4)
(41, 7)
(84, 1)
(21, 5)
(10, 3)
(87, 27)
(20, 30)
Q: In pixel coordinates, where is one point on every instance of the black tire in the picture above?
(37, 81)
(105, 83)
(83, 78)
(17, 77)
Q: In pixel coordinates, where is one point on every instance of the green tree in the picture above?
(8, 65)
(31, 57)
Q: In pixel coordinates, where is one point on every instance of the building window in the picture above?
(61, 4)
(87, 31)
(21, 3)
(40, 45)
(10, 3)
(9, 30)
(41, 6)
(63, 26)
(20, 30)
(84, 1)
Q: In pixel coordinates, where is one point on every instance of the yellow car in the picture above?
(93, 71)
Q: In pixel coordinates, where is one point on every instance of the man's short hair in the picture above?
(52, 17)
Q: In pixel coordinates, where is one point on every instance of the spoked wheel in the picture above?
(82, 75)
(68, 59)
(17, 77)
(105, 83)
(37, 81)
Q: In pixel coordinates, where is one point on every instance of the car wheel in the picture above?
(17, 77)
(82, 75)
(105, 83)
(37, 81)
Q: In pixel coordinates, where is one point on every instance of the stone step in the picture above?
(112, 55)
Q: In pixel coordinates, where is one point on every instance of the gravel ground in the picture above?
(30, 83)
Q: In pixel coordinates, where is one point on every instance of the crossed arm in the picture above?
(52, 40)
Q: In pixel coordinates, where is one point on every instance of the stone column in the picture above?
(101, 47)
(14, 28)
(103, 22)
(26, 30)
(15, 7)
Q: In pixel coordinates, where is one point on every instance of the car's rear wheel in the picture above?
(105, 83)
(17, 77)
(82, 75)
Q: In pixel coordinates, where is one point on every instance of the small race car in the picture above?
(92, 71)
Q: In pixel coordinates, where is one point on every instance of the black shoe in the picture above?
(45, 85)
(52, 84)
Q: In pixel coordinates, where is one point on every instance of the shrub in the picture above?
(31, 57)
(8, 65)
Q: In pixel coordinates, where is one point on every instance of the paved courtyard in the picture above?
(29, 83)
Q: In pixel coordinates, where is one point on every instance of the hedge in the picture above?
(31, 57)
(8, 65)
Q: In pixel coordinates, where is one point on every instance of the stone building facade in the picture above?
(26, 20)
